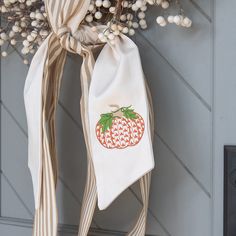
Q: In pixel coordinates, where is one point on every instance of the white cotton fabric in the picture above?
(118, 79)
(33, 104)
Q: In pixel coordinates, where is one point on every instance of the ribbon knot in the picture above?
(69, 41)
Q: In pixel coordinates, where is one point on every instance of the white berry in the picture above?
(129, 23)
(3, 36)
(134, 7)
(160, 19)
(3, 9)
(98, 3)
(151, 2)
(170, 19)
(131, 32)
(106, 3)
(25, 61)
(23, 34)
(129, 16)
(163, 24)
(177, 20)
(143, 8)
(187, 22)
(25, 50)
(143, 26)
(28, 3)
(141, 15)
(125, 4)
(30, 38)
(11, 34)
(112, 9)
(32, 15)
(139, 3)
(39, 16)
(34, 23)
(158, 2)
(114, 27)
(23, 24)
(135, 25)
(89, 18)
(165, 4)
(13, 42)
(98, 15)
(15, 28)
(4, 54)
(125, 30)
(142, 22)
(123, 17)
(34, 34)
(120, 27)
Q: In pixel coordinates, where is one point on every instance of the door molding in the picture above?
(69, 229)
(62, 228)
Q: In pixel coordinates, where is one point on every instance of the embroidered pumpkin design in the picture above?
(120, 128)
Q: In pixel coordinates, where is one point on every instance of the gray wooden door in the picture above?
(186, 77)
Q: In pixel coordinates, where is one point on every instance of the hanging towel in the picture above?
(119, 120)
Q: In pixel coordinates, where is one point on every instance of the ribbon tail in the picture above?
(140, 226)
(145, 182)
(33, 107)
(41, 98)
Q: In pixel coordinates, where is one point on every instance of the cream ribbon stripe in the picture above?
(65, 16)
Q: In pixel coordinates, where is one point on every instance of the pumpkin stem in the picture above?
(115, 106)
(119, 112)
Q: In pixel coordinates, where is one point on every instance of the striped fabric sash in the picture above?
(60, 42)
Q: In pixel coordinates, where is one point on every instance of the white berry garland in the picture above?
(25, 24)
(24, 27)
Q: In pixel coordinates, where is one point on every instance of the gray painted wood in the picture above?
(193, 121)
(224, 99)
(175, 195)
(188, 51)
(14, 230)
(14, 159)
(17, 208)
(13, 74)
(204, 6)
(179, 116)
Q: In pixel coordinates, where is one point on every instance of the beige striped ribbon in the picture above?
(63, 15)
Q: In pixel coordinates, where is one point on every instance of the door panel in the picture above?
(178, 64)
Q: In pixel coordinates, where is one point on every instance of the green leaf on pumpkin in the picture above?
(129, 113)
(106, 121)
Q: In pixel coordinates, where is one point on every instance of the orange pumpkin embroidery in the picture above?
(120, 129)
